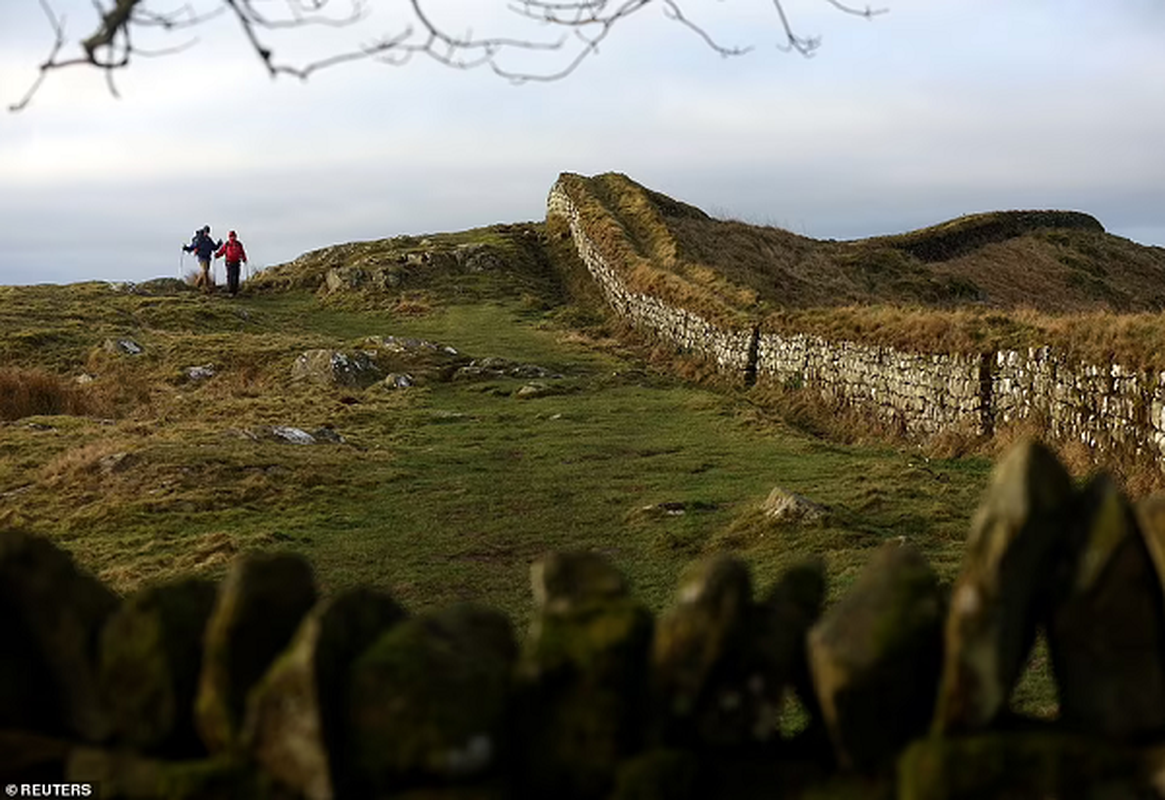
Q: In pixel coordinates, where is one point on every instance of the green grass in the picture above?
(445, 492)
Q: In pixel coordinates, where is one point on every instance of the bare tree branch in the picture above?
(584, 25)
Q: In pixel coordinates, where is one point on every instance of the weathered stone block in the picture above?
(259, 606)
(295, 725)
(875, 657)
(151, 652)
(1107, 635)
(1014, 550)
(45, 598)
(582, 689)
(427, 702)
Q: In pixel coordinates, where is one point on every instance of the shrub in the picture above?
(31, 392)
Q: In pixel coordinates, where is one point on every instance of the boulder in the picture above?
(259, 606)
(47, 601)
(875, 657)
(295, 716)
(123, 347)
(779, 625)
(698, 655)
(785, 506)
(1016, 548)
(334, 368)
(427, 701)
(200, 373)
(151, 651)
(1107, 634)
(582, 678)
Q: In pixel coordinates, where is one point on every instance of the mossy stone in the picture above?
(259, 606)
(151, 651)
(427, 701)
(1015, 553)
(1107, 634)
(295, 715)
(61, 609)
(581, 698)
(563, 581)
(696, 641)
(1020, 765)
(875, 657)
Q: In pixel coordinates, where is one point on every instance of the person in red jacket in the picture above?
(232, 250)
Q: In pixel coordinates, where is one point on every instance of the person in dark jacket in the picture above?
(203, 247)
(235, 254)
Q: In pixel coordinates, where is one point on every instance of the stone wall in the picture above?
(1104, 406)
(727, 348)
(257, 687)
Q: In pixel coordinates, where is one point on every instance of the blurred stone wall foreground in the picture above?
(257, 687)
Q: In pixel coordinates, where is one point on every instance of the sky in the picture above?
(930, 111)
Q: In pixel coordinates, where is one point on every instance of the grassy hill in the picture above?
(447, 489)
(995, 280)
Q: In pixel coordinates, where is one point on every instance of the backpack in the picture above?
(233, 250)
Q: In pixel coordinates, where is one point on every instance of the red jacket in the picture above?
(233, 250)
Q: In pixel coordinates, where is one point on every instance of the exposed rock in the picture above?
(151, 651)
(875, 657)
(785, 506)
(84, 379)
(398, 381)
(259, 606)
(1012, 553)
(582, 679)
(115, 462)
(427, 701)
(695, 643)
(328, 435)
(1107, 635)
(495, 367)
(123, 347)
(538, 389)
(408, 344)
(1019, 765)
(295, 716)
(331, 367)
(292, 435)
(477, 258)
(45, 598)
(200, 373)
(159, 286)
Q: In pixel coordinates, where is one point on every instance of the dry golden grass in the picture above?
(977, 283)
(34, 392)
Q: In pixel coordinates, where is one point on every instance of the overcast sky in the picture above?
(933, 110)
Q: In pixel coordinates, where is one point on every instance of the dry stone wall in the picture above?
(1104, 406)
(728, 349)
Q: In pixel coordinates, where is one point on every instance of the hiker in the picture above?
(203, 246)
(234, 253)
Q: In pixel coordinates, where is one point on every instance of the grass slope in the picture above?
(443, 492)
